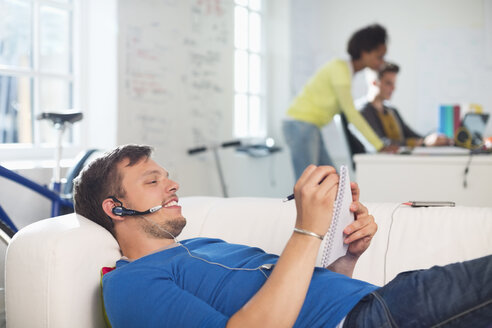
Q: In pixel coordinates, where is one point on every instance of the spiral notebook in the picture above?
(342, 217)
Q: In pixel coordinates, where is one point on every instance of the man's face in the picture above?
(386, 85)
(146, 184)
(374, 58)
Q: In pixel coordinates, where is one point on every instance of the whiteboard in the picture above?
(175, 66)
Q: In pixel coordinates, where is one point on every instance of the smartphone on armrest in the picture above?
(431, 204)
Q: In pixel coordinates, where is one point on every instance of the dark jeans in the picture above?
(455, 295)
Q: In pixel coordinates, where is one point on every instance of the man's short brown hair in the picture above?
(388, 67)
(101, 179)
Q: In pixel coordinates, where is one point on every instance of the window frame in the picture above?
(262, 122)
(38, 151)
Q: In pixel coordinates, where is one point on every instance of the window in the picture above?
(36, 67)
(249, 108)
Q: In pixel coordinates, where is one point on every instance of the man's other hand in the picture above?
(360, 232)
(391, 149)
(437, 139)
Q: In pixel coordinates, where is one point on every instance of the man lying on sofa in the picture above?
(201, 282)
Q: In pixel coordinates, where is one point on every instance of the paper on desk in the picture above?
(445, 150)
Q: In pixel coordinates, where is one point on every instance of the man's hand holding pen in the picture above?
(315, 194)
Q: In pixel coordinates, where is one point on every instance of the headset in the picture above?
(120, 210)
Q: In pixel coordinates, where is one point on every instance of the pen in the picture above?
(343, 168)
(291, 196)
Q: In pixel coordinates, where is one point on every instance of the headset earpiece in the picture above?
(117, 210)
(121, 211)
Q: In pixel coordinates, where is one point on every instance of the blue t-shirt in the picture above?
(170, 288)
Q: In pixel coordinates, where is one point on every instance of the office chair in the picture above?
(354, 145)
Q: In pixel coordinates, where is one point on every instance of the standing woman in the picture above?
(328, 93)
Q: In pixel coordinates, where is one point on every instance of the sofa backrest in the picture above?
(53, 266)
(407, 239)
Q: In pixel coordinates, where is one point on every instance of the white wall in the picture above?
(99, 76)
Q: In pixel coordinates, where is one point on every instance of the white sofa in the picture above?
(52, 266)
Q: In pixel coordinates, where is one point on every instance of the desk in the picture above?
(400, 178)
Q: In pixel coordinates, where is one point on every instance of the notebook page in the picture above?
(342, 217)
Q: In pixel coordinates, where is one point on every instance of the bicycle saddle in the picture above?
(61, 118)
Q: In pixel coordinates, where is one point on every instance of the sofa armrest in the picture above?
(52, 273)
(422, 237)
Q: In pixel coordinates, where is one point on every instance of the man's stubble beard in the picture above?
(166, 230)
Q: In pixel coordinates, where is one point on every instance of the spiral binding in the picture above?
(330, 235)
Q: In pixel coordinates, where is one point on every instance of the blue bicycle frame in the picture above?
(56, 200)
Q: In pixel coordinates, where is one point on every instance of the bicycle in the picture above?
(58, 200)
(214, 148)
(253, 149)
(61, 198)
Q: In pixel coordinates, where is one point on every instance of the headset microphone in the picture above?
(123, 211)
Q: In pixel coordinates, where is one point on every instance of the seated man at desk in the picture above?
(204, 282)
(387, 122)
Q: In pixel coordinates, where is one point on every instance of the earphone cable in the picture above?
(199, 258)
(388, 241)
